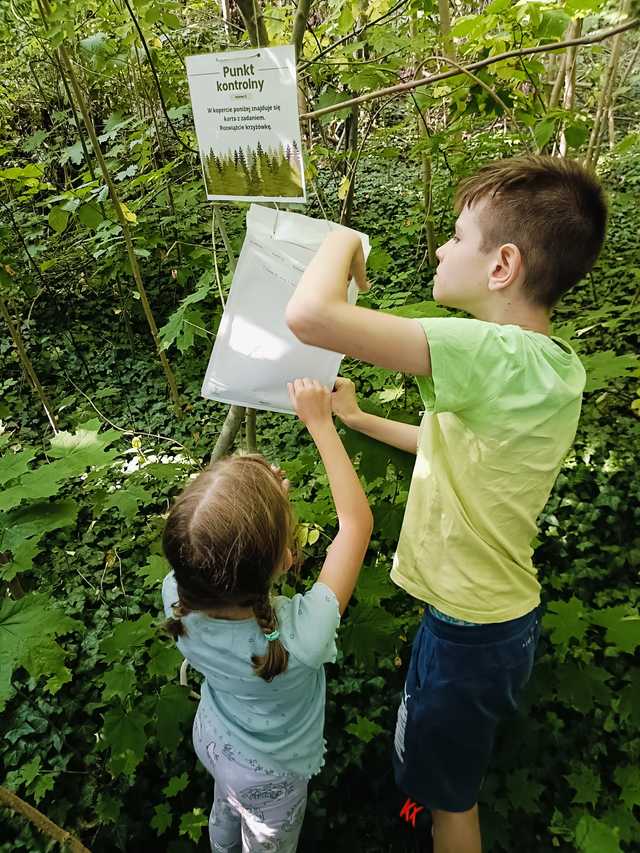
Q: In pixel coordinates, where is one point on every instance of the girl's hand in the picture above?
(312, 402)
(343, 401)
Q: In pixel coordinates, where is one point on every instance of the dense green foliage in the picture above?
(95, 726)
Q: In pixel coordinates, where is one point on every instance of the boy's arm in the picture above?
(395, 433)
(318, 313)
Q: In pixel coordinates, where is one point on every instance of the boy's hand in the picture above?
(343, 401)
(358, 269)
(312, 402)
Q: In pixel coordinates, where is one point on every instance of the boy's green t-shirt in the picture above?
(501, 412)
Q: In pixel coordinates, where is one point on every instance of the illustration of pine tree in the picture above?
(255, 184)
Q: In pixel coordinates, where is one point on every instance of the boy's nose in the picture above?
(439, 253)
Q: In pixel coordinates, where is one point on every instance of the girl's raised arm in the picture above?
(343, 562)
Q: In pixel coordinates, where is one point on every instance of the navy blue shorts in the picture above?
(462, 680)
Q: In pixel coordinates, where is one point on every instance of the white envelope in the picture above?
(255, 354)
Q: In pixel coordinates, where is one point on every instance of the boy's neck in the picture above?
(533, 318)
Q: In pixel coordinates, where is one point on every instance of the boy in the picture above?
(502, 401)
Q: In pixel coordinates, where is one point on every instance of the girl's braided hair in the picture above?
(226, 536)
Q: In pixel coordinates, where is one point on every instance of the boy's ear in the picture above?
(507, 267)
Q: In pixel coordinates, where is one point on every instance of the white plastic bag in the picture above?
(255, 354)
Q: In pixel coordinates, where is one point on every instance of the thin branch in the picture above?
(13, 802)
(474, 66)
(155, 77)
(354, 34)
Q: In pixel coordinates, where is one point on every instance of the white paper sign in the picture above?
(245, 109)
(255, 354)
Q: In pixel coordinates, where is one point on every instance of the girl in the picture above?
(258, 727)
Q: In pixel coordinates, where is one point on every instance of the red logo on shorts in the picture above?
(410, 811)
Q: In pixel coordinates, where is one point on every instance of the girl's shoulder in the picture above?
(308, 623)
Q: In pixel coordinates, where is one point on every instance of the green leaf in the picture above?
(543, 131)
(464, 26)
(44, 784)
(192, 824)
(95, 43)
(369, 631)
(364, 729)
(604, 366)
(28, 628)
(90, 215)
(586, 784)
(75, 153)
(42, 482)
(174, 710)
(581, 686)
(523, 793)
(162, 818)
(566, 620)
(628, 779)
(374, 584)
(87, 443)
(164, 660)
(172, 21)
(14, 465)
(594, 836)
(124, 734)
(329, 98)
(175, 785)
(628, 143)
(576, 135)
(36, 520)
(623, 627)
(154, 570)
(128, 500)
(21, 560)
(58, 219)
(118, 681)
(428, 308)
(127, 636)
(180, 326)
(35, 140)
(108, 808)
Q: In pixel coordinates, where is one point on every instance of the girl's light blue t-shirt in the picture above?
(277, 725)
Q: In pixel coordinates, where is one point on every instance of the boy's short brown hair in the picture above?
(552, 209)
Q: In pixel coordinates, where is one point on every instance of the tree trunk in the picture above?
(300, 25)
(251, 12)
(250, 431)
(445, 28)
(351, 165)
(27, 366)
(593, 149)
(554, 97)
(569, 96)
(229, 430)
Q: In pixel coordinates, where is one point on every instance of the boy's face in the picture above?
(462, 276)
